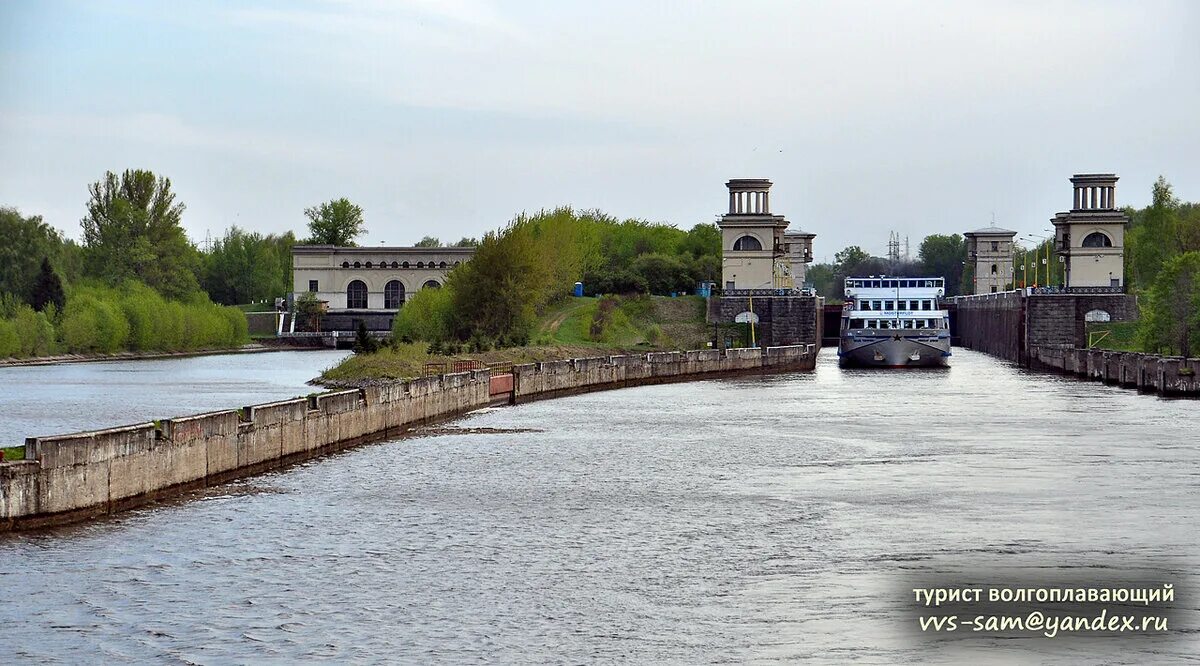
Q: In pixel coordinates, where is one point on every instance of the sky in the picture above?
(448, 117)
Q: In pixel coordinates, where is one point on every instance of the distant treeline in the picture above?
(133, 284)
(496, 298)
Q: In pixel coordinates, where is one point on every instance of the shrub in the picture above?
(425, 316)
(10, 341)
(92, 325)
(34, 331)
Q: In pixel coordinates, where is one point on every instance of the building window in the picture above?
(747, 243)
(431, 284)
(420, 264)
(993, 289)
(395, 264)
(368, 264)
(993, 269)
(995, 246)
(1096, 239)
(393, 295)
(345, 264)
(404, 265)
(442, 265)
(356, 295)
(312, 286)
(357, 265)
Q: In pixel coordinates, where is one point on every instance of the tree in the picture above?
(47, 289)
(310, 309)
(849, 259)
(428, 241)
(335, 222)
(704, 239)
(1170, 321)
(467, 241)
(363, 342)
(25, 241)
(132, 230)
(663, 273)
(243, 267)
(942, 255)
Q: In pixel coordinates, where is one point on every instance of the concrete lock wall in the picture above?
(66, 478)
(1166, 375)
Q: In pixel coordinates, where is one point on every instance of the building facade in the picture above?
(990, 254)
(757, 252)
(1091, 236)
(368, 284)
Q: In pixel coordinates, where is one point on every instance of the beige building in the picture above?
(369, 283)
(757, 252)
(990, 253)
(1091, 237)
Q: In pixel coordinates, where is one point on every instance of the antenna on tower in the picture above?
(893, 248)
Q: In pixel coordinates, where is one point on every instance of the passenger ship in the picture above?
(894, 322)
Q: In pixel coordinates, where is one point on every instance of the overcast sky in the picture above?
(448, 117)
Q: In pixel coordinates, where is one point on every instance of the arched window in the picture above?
(457, 263)
(404, 265)
(396, 264)
(993, 269)
(442, 265)
(393, 295)
(356, 295)
(747, 243)
(345, 264)
(1097, 239)
(357, 265)
(420, 264)
(368, 264)
(431, 284)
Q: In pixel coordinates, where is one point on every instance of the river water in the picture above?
(761, 519)
(71, 397)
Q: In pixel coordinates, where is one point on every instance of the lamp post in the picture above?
(1041, 241)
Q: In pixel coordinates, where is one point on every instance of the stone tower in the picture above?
(753, 248)
(1091, 237)
(990, 253)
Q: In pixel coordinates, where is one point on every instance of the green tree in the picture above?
(848, 260)
(663, 273)
(243, 267)
(132, 230)
(1155, 235)
(1170, 318)
(467, 241)
(27, 240)
(942, 255)
(428, 241)
(47, 289)
(335, 222)
(310, 310)
(704, 239)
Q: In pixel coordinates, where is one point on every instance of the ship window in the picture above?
(889, 305)
(856, 323)
(864, 305)
(878, 305)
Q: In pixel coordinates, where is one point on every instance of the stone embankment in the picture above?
(1165, 375)
(67, 478)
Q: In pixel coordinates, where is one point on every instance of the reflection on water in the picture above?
(754, 519)
(70, 397)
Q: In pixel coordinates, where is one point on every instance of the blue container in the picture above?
(579, 289)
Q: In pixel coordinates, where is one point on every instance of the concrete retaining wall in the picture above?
(71, 477)
(1166, 375)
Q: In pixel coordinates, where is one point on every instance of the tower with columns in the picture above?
(1091, 236)
(755, 252)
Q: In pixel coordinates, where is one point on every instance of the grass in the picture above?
(577, 327)
(256, 307)
(13, 453)
(1122, 335)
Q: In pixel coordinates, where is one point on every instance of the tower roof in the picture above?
(991, 231)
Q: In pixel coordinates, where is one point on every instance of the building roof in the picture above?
(379, 249)
(799, 232)
(991, 231)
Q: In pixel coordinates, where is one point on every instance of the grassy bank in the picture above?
(1116, 335)
(13, 453)
(574, 328)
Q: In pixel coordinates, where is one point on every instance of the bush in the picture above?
(425, 316)
(34, 331)
(91, 325)
(10, 341)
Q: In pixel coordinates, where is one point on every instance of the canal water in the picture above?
(70, 397)
(760, 519)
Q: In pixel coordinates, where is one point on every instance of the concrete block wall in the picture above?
(1166, 375)
(70, 477)
(992, 323)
